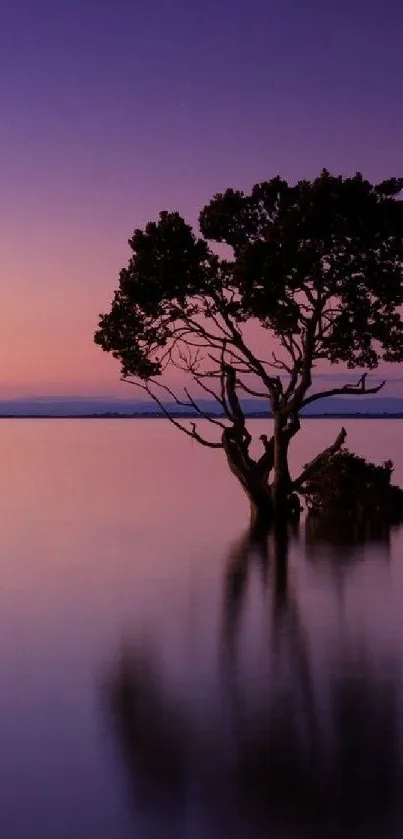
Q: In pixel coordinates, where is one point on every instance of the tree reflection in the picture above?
(151, 732)
(346, 537)
(315, 754)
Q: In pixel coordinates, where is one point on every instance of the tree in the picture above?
(316, 267)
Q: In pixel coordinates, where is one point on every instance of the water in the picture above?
(162, 677)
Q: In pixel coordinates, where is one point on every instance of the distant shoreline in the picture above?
(149, 415)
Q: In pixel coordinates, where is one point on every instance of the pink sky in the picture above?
(108, 119)
(56, 284)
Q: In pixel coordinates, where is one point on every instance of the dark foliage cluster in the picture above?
(327, 253)
(349, 487)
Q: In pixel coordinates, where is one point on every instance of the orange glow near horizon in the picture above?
(54, 288)
(50, 310)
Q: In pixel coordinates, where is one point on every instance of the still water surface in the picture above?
(160, 676)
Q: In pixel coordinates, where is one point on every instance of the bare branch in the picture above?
(307, 359)
(190, 404)
(198, 379)
(249, 390)
(360, 389)
(311, 467)
(281, 365)
(248, 356)
(226, 334)
(293, 380)
(201, 412)
(193, 433)
(167, 390)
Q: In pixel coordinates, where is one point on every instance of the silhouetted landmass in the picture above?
(116, 406)
(186, 415)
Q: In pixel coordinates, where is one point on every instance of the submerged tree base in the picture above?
(352, 491)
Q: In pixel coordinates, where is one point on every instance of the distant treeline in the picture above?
(190, 415)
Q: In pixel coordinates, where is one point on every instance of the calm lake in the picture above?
(160, 676)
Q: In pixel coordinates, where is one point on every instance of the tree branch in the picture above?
(292, 427)
(256, 366)
(237, 414)
(360, 389)
(266, 461)
(201, 412)
(311, 467)
(193, 433)
(239, 430)
(305, 368)
(249, 390)
(198, 379)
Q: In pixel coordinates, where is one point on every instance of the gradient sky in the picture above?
(111, 110)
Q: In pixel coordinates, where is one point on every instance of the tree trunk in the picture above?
(269, 502)
(281, 486)
(253, 479)
(261, 510)
(260, 500)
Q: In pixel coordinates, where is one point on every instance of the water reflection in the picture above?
(306, 748)
(346, 539)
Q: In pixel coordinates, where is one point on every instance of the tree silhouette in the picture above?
(316, 267)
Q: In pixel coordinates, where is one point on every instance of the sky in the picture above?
(112, 110)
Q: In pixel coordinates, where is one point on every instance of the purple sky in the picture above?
(111, 110)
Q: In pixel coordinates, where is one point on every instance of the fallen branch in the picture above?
(311, 467)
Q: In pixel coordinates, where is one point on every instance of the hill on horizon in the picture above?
(75, 406)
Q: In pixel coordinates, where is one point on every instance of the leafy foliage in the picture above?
(320, 260)
(348, 486)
